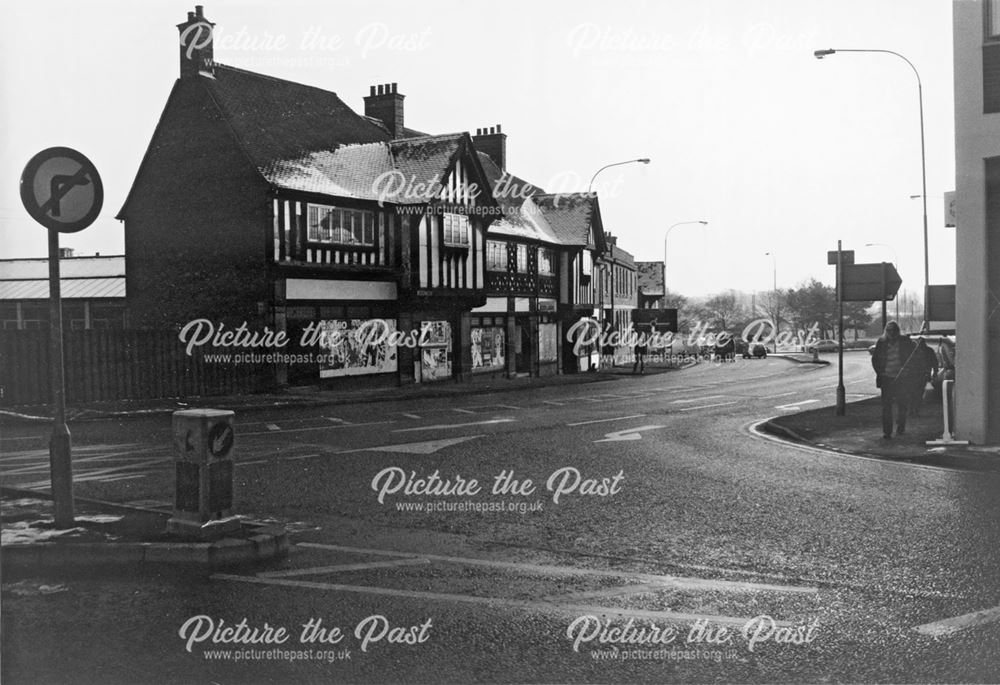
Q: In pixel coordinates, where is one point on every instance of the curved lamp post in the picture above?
(820, 54)
(665, 236)
(641, 160)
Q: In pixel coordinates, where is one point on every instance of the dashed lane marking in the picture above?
(553, 402)
(463, 411)
(445, 426)
(617, 418)
(343, 567)
(950, 626)
(780, 394)
(794, 405)
(412, 416)
(709, 406)
(272, 427)
(302, 456)
(318, 428)
(697, 399)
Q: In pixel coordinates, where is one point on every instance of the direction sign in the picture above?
(62, 190)
(868, 283)
(846, 257)
(941, 302)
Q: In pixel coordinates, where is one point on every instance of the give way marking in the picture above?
(628, 434)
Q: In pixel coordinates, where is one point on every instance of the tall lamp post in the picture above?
(895, 257)
(667, 235)
(600, 263)
(641, 160)
(820, 54)
(777, 300)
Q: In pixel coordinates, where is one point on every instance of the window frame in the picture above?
(448, 225)
(368, 228)
(500, 247)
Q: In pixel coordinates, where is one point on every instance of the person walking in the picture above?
(892, 361)
(925, 365)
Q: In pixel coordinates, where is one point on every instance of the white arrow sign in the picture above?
(628, 434)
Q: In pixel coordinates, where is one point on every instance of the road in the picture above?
(651, 500)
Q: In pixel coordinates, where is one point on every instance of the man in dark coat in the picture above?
(893, 362)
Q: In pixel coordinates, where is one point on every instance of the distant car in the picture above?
(755, 350)
(823, 346)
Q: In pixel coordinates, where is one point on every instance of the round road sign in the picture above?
(62, 190)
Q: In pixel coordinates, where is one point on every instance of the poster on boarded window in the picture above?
(356, 347)
(435, 351)
(548, 338)
(488, 348)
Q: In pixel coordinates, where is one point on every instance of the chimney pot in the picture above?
(371, 90)
(393, 87)
(498, 128)
(198, 10)
(190, 16)
(386, 104)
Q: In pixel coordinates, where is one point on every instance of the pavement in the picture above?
(859, 433)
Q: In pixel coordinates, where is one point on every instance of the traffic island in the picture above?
(112, 535)
(859, 432)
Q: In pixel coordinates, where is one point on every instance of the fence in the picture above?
(118, 364)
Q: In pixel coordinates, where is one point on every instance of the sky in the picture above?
(780, 152)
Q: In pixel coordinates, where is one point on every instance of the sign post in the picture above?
(61, 190)
(841, 392)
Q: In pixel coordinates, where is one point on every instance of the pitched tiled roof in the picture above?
(623, 256)
(650, 277)
(276, 119)
(571, 216)
(354, 170)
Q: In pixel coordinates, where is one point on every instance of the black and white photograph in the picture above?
(579, 341)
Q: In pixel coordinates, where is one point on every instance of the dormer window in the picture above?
(341, 226)
(456, 230)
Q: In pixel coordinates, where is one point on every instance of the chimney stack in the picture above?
(385, 104)
(196, 43)
(65, 252)
(493, 143)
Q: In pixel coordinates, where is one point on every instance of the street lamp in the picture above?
(777, 300)
(820, 54)
(665, 236)
(895, 257)
(642, 160)
(599, 263)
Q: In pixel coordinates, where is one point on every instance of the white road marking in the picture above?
(558, 404)
(780, 394)
(617, 418)
(697, 399)
(428, 447)
(250, 463)
(302, 456)
(272, 427)
(318, 428)
(572, 609)
(463, 411)
(342, 567)
(709, 406)
(953, 625)
(683, 582)
(795, 405)
(335, 419)
(412, 416)
(627, 434)
(443, 426)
